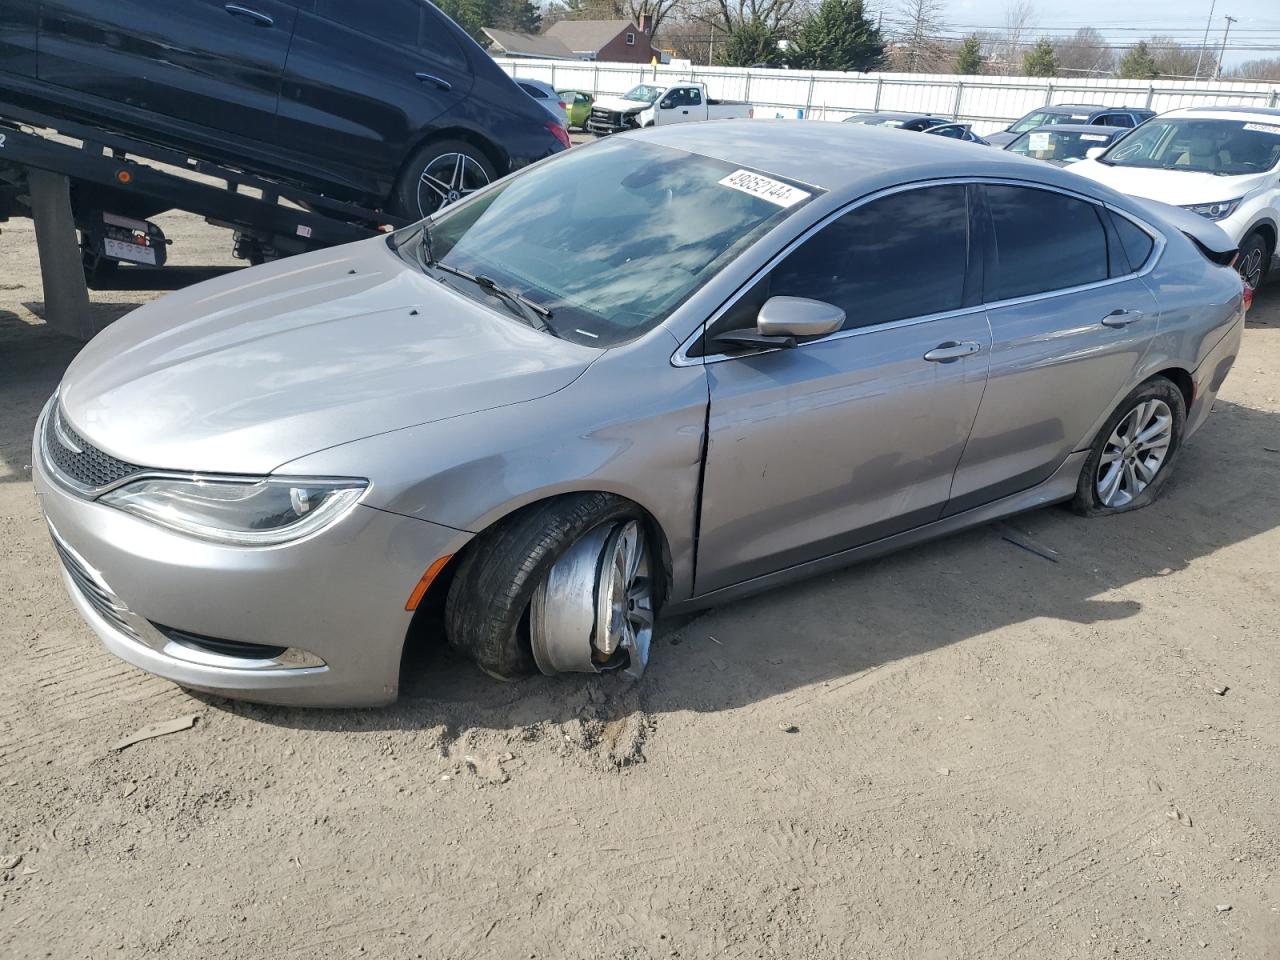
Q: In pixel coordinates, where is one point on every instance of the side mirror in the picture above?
(666, 105)
(1093, 153)
(798, 317)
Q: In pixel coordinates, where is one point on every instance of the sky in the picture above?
(1257, 21)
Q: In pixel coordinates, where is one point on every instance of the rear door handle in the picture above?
(952, 350)
(260, 19)
(432, 78)
(1122, 318)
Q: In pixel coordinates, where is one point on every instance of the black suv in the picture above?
(382, 102)
(1071, 113)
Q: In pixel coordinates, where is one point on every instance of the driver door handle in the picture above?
(432, 78)
(259, 19)
(952, 350)
(1121, 318)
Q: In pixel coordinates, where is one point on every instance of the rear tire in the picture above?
(1254, 259)
(1133, 452)
(487, 612)
(438, 174)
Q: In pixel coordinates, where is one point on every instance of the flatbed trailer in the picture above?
(91, 193)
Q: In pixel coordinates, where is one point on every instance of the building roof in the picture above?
(528, 44)
(582, 36)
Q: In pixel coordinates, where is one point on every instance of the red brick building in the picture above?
(617, 41)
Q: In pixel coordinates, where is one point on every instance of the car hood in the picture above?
(252, 370)
(1177, 187)
(619, 105)
(1003, 138)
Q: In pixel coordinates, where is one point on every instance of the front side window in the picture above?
(612, 262)
(1196, 145)
(869, 262)
(1044, 241)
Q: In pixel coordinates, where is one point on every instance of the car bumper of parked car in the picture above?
(601, 124)
(319, 622)
(1210, 375)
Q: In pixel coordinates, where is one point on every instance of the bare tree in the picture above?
(1019, 20)
(1179, 62)
(1085, 52)
(728, 15)
(1268, 69)
(920, 50)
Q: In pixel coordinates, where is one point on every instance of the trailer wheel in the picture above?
(439, 174)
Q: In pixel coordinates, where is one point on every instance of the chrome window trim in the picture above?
(681, 357)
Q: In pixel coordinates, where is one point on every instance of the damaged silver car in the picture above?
(751, 352)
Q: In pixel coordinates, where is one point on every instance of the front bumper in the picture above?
(335, 600)
(601, 123)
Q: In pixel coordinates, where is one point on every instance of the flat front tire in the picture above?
(1133, 452)
(487, 613)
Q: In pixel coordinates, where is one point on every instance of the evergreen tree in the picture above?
(969, 56)
(753, 42)
(1040, 60)
(838, 35)
(1138, 63)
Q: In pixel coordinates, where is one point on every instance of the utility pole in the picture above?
(1208, 23)
(1223, 52)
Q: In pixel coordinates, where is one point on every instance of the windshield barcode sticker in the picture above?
(1263, 128)
(775, 191)
(1093, 136)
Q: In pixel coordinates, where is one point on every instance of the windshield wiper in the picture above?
(533, 313)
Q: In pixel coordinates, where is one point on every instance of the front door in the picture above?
(207, 62)
(854, 436)
(1070, 322)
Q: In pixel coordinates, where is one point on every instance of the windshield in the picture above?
(1040, 117)
(644, 93)
(1062, 147)
(612, 260)
(1224, 147)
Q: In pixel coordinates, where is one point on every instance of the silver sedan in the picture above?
(742, 353)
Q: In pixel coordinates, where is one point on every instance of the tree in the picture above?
(969, 56)
(919, 50)
(1086, 51)
(1040, 60)
(753, 42)
(1175, 60)
(1018, 19)
(726, 16)
(1268, 69)
(1138, 63)
(837, 36)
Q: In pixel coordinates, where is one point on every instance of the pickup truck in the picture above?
(649, 105)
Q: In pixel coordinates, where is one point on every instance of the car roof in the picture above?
(1094, 108)
(849, 159)
(894, 115)
(1260, 111)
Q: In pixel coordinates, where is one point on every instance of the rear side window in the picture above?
(533, 91)
(1044, 241)
(868, 261)
(1136, 242)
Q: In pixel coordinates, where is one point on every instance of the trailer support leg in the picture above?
(66, 297)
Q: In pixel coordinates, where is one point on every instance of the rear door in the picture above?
(1070, 321)
(855, 436)
(365, 80)
(18, 21)
(209, 62)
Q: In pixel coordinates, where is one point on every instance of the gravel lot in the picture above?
(961, 751)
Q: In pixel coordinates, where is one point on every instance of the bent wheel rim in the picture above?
(1134, 453)
(447, 179)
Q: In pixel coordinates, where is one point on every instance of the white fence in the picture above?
(989, 103)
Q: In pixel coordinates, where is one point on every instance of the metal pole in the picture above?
(1204, 43)
(808, 100)
(1223, 52)
(879, 87)
(955, 113)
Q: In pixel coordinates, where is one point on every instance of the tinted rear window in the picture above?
(1135, 241)
(395, 21)
(1044, 241)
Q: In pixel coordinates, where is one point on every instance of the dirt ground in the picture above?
(961, 751)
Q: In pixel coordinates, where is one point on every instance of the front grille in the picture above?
(77, 459)
(110, 607)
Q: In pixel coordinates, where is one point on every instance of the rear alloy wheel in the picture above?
(1253, 259)
(1130, 459)
(571, 585)
(440, 174)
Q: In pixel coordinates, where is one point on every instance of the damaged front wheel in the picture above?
(570, 585)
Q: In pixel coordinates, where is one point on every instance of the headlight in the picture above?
(248, 512)
(1215, 211)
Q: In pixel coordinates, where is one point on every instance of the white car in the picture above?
(1220, 162)
(546, 95)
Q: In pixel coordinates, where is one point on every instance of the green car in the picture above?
(578, 105)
